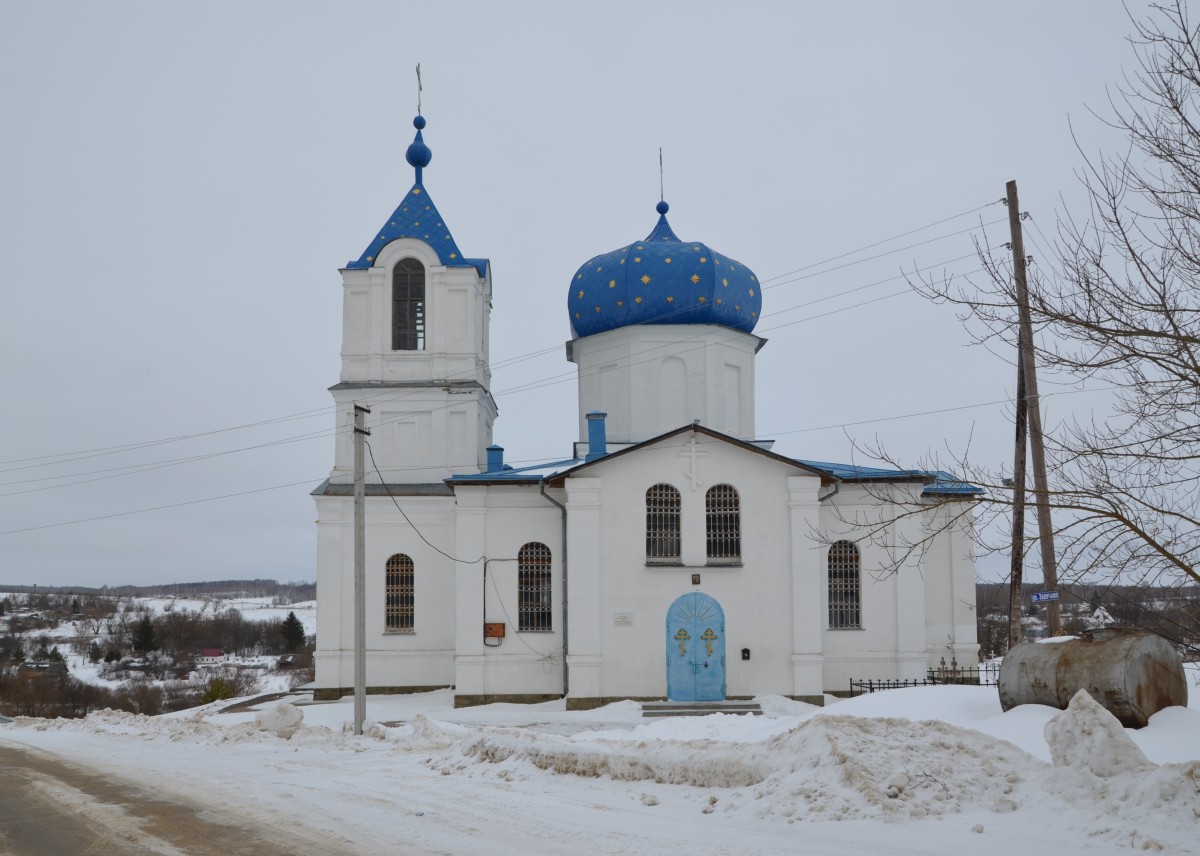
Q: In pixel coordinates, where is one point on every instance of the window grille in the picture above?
(662, 524)
(845, 587)
(723, 519)
(408, 306)
(534, 609)
(398, 594)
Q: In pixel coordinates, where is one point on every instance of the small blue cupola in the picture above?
(417, 217)
(662, 280)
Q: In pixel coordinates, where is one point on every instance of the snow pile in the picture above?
(1099, 769)
(1087, 737)
(282, 720)
(825, 768)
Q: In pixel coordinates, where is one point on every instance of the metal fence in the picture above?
(982, 676)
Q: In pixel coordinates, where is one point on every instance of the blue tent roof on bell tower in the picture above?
(417, 217)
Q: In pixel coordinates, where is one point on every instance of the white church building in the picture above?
(671, 555)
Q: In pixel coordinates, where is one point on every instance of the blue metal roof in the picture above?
(662, 280)
(417, 217)
(944, 484)
(532, 473)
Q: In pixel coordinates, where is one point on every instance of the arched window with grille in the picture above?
(398, 595)
(663, 505)
(408, 306)
(723, 523)
(845, 585)
(534, 609)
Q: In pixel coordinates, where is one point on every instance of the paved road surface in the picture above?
(48, 808)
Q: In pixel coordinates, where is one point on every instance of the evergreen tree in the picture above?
(144, 639)
(95, 653)
(293, 632)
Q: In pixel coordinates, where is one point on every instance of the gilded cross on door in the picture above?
(683, 636)
(693, 451)
(708, 638)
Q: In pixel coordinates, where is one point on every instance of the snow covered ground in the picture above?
(931, 770)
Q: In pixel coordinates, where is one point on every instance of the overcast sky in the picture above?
(180, 183)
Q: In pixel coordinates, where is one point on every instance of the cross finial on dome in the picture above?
(418, 154)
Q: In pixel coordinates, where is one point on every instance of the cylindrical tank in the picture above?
(1133, 674)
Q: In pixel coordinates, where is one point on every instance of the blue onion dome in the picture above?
(662, 280)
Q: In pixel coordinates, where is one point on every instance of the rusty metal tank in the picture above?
(1133, 674)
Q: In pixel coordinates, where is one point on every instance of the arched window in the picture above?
(398, 595)
(534, 610)
(662, 525)
(408, 306)
(723, 522)
(845, 588)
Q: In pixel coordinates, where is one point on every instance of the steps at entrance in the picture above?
(699, 708)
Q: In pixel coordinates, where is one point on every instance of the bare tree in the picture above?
(1123, 313)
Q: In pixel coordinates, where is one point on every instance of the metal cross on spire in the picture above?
(418, 89)
(661, 196)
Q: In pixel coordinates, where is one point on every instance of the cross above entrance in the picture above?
(693, 452)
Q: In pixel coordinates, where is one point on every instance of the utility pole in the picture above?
(360, 571)
(1016, 601)
(1033, 411)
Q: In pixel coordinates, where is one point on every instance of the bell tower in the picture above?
(415, 317)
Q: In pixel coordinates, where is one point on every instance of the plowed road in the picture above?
(48, 808)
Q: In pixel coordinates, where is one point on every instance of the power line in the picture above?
(880, 243)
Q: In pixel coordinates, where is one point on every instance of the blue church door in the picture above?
(695, 649)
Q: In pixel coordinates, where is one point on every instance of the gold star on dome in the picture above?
(737, 308)
(416, 222)
(426, 237)
(731, 267)
(599, 269)
(751, 292)
(716, 261)
(637, 258)
(637, 300)
(695, 278)
(718, 301)
(640, 247)
(725, 282)
(370, 258)
(579, 276)
(696, 248)
(645, 279)
(393, 223)
(753, 314)
(703, 260)
(416, 191)
(439, 225)
(620, 303)
(380, 238)
(752, 279)
(426, 207)
(703, 300)
(612, 283)
(670, 300)
(454, 255)
(597, 308)
(581, 292)
(621, 262)
(576, 314)
(668, 261)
